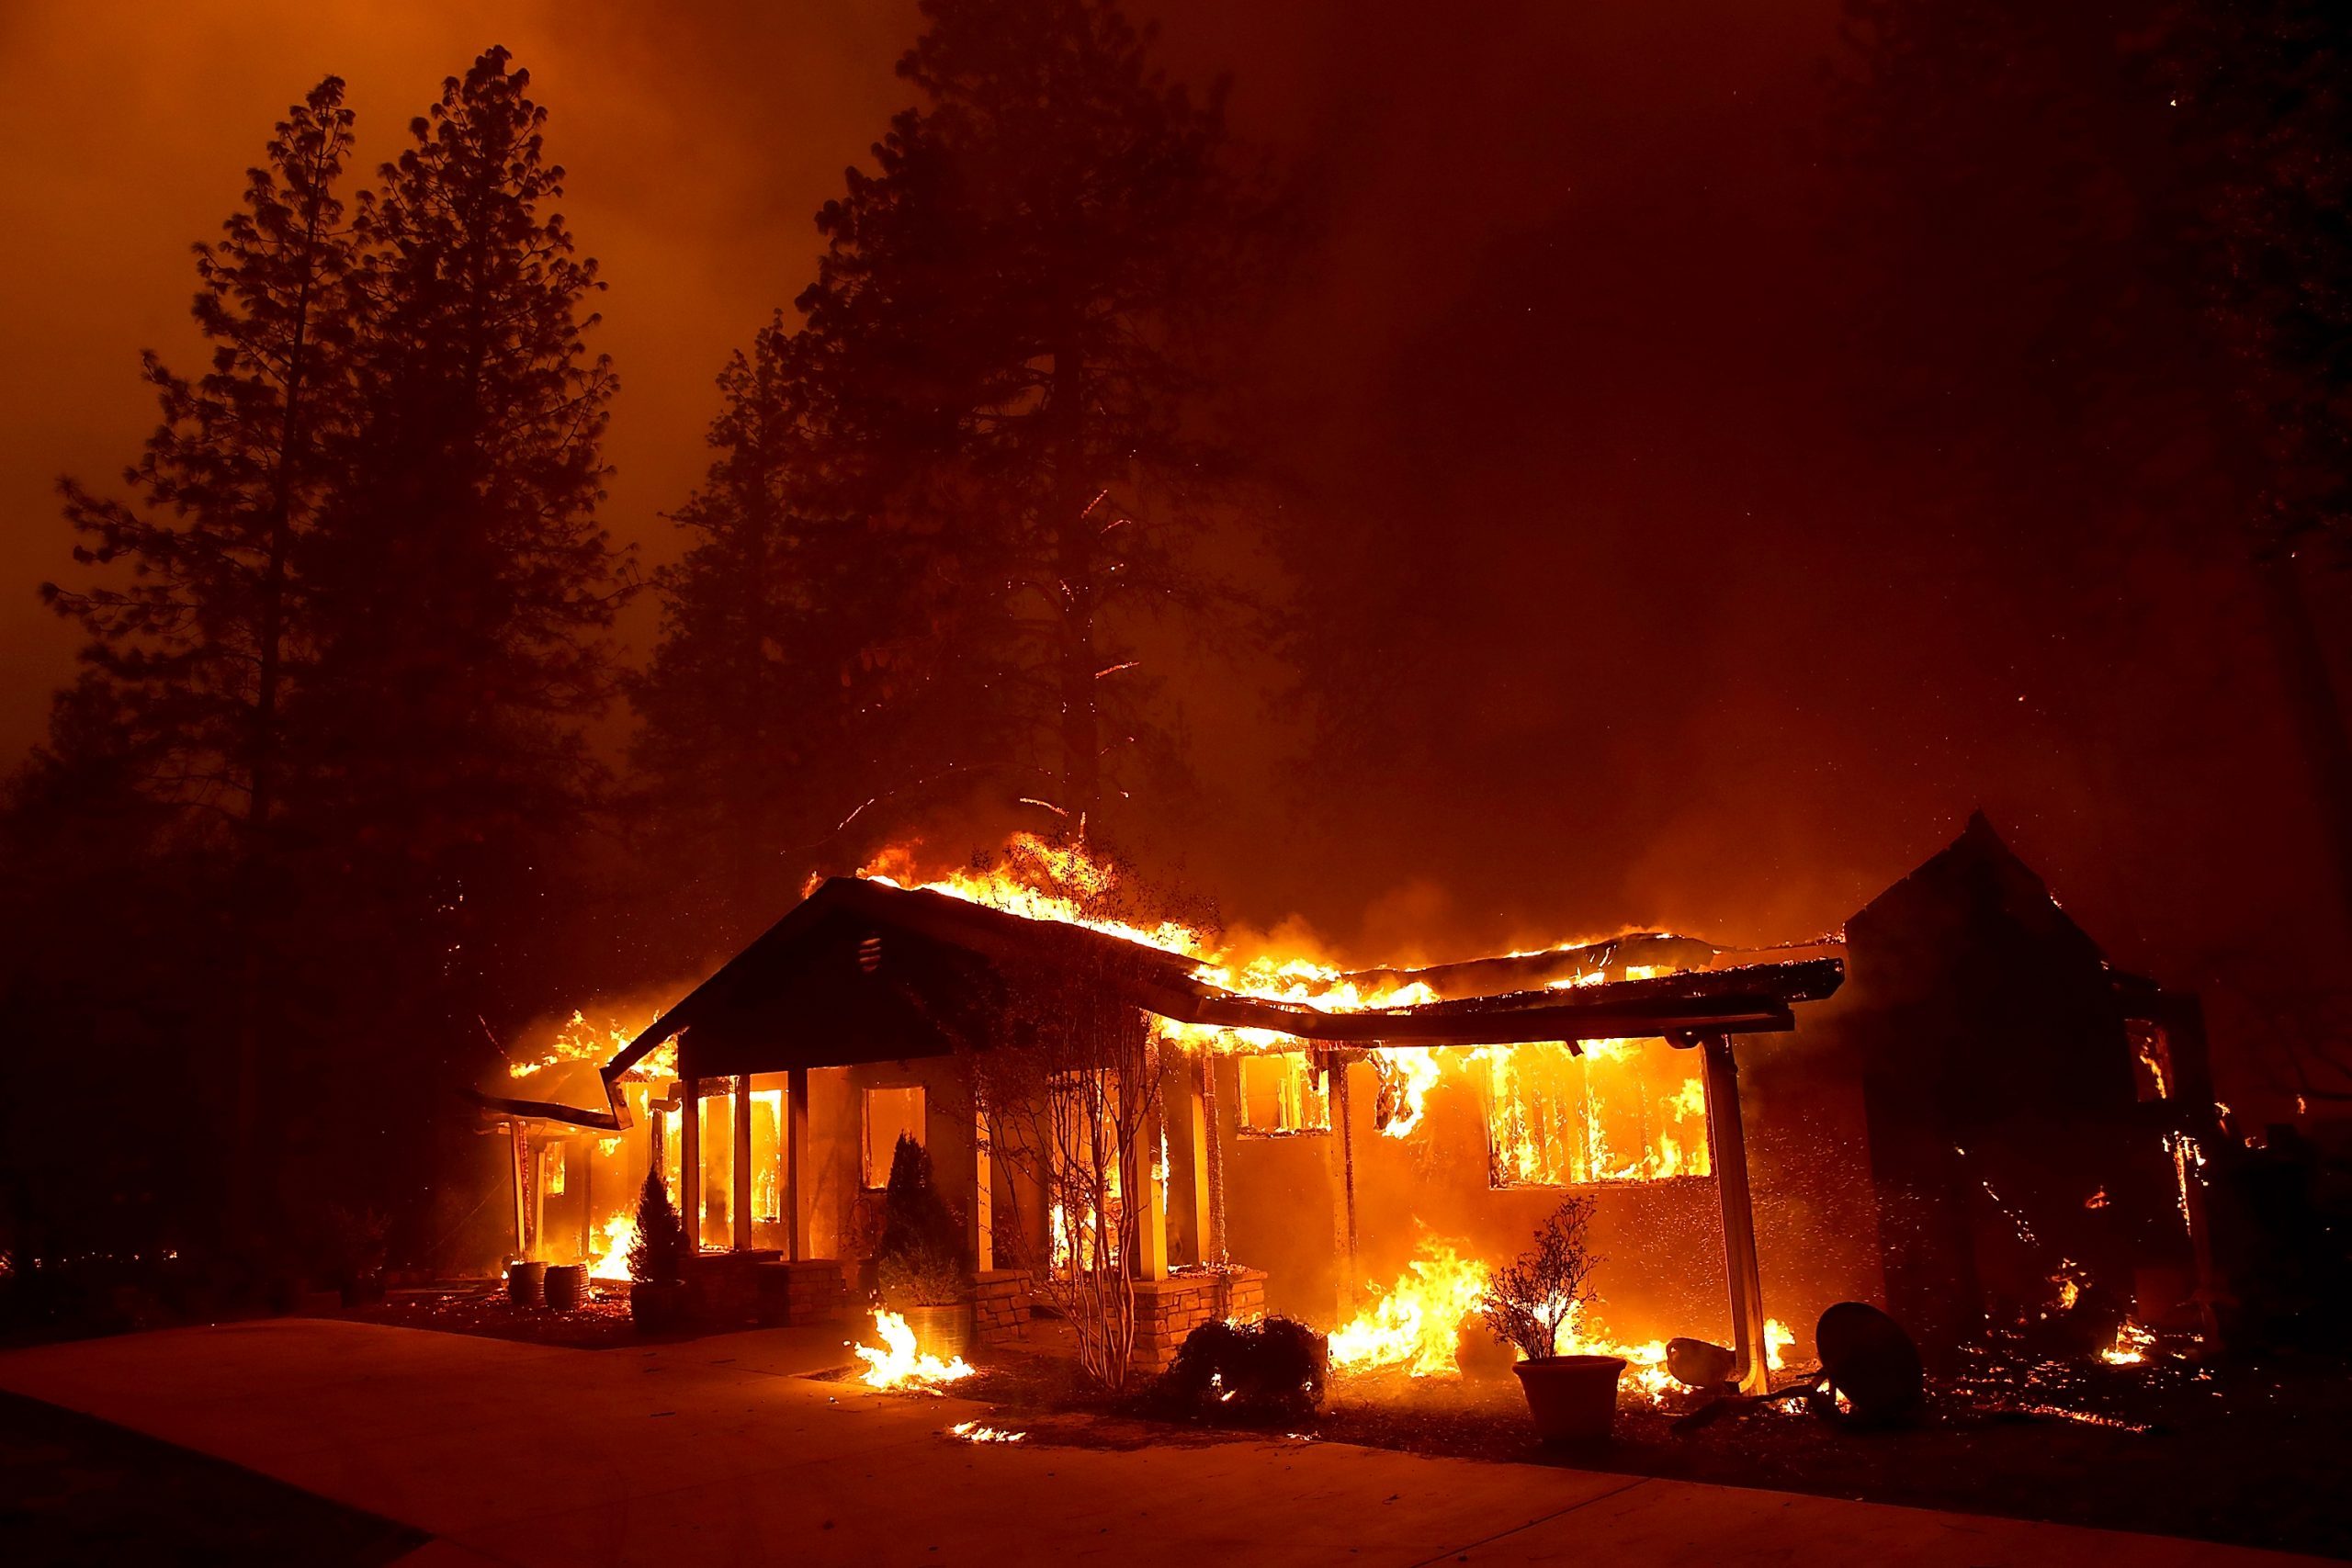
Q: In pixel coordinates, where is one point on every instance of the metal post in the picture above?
(1728, 1141)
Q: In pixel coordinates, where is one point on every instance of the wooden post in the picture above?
(742, 1163)
(539, 1200)
(518, 1150)
(1189, 1222)
(1141, 1193)
(1341, 1113)
(796, 1163)
(690, 1163)
(1212, 1162)
(1727, 1142)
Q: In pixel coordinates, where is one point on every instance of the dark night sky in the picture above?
(1573, 383)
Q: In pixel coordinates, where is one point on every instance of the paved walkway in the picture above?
(717, 1451)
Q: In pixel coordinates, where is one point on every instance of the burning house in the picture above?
(1957, 1109)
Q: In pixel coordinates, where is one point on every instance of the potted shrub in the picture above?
(919, 1264)
(657, 1254)
(1571, 1398)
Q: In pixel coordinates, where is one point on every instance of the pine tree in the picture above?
(734, 710)
(205, 641)
(816, 651)
(1015, 294)
(462, 583)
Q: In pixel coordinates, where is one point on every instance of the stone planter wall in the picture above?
(1000, 1305)
(1167, 1310)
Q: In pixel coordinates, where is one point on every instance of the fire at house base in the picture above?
(1955, 1108)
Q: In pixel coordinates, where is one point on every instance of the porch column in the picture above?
(1140, 1192)
(519, 1154)
(1728, 1142)
(795, 1164)
(982, 1236)
(690, 1162)
(1184, 1102)
(742, 1163)
(1342, 1116)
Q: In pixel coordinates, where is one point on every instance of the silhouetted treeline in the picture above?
(321, 825)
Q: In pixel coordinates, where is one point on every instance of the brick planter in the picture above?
(999, 1305)
(792, 1294)
(1168, 1309)
(722, 1288)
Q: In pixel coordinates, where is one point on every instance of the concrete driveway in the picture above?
(722, 1452)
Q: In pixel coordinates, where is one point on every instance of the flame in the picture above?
(1061, 883)
(898, 1366)
(1413, 1322)
(2132, 1345)
(1412, 1071)
(973, 1432)
(581, 1041)
(612, 1262)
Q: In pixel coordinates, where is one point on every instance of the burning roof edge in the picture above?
(1753, 999)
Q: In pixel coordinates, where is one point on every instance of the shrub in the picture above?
(920, 1273)
(657, 1254)
(919, 1258)
(1527, 1302)
(1259, 1372)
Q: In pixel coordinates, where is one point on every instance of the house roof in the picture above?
(856, 972)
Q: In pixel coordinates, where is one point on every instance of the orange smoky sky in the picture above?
(1569, 387)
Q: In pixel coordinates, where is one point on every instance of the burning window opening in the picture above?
(1620, 1111)
(1283, 1094)
(891, 1114)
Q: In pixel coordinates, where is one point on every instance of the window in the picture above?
(1284, 1093)
(1625, 1111)
(889, 1113)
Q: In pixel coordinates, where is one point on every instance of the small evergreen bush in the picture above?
(657, 1254)
(1265, 1372)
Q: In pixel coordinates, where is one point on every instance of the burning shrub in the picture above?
(657, 1254)
(1259, 1371)
(1527, 1302)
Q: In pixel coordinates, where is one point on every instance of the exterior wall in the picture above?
(1660, 1244)
(844, 1214)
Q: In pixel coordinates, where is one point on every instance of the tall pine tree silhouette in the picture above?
(203, 643)
(461, 583)
(1016, 294)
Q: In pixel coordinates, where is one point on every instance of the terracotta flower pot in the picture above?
(567, 1286)
(1573, 1399)
(526, 1283)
